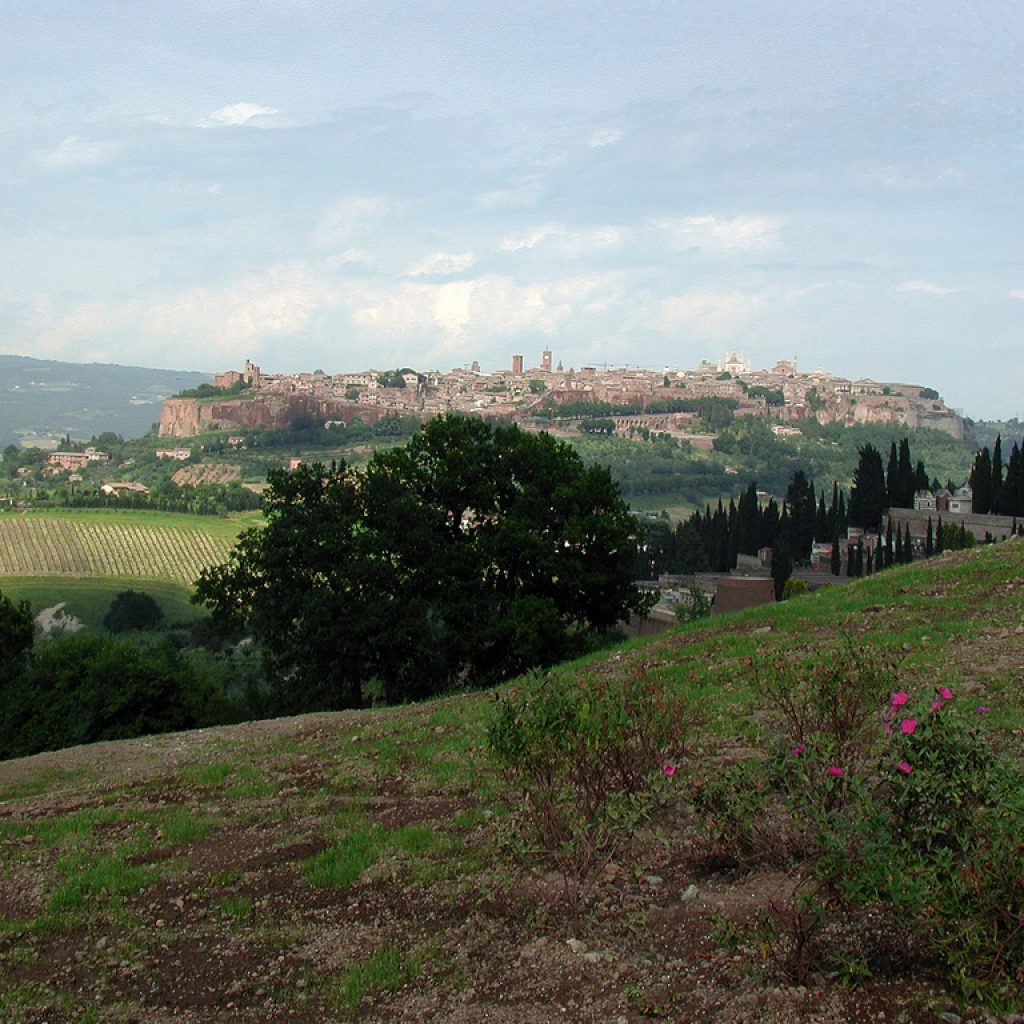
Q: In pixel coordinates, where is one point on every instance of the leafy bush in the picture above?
(584, 756)
(130, 610)
(86, 688)
(904, 811)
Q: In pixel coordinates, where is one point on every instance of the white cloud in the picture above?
(714, 314)
(605, 137)
(349, 217)
(231, 319)
(348, 256)
(236, 114)
(442, 263)
(530, 238)
(564, 242)
(926, 287)
(504, 198)
(489, 306)
(1017, 293)
(911, 180)
(723, 235)
(75, 151)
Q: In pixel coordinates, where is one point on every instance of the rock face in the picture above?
(186, 417)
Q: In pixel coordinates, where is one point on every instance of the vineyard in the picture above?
(91, 543)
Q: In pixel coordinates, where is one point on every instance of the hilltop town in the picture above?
(784, 395)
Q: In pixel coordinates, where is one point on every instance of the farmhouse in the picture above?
(126, 487)
(75, 460)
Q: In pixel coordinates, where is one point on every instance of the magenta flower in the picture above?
(835, 770)
(904, 767)
(938, 705)
(797, 751)
(900, 698)
(945, 693)
(908, 725)
(668, 770)
(982, 710)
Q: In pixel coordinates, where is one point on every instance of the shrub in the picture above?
(584, 755)
(905, 810)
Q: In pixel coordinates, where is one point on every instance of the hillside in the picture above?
(41, 400)
(370, 865)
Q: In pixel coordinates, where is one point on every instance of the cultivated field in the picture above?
(102, 543)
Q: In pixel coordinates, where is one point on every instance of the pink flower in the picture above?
(668, 770)
(904, 767)
(982, 710)
(938, 705)
(945, 693)
(900, 698)
(834, 769)
(908, 725)
(797, 751)
(887, 729)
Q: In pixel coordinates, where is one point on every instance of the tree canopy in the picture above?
(469, 555)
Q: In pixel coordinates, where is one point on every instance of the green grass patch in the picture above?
(178, 826)
(212, 774)
(238, 908)
(386, 971)
(99, 881)
(416, 839)
(341, 864)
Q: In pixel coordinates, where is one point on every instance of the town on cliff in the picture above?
(783, 395)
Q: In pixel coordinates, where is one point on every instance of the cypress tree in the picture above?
(997, 474)
(1012, 496)
(836, 561)
(908, 546)
(898, 555)
(748, 522)
(868, 494)
(929, 540)
(939, 538)
(732, 535)
(869, 564)
(822, 528)
(798, 532)
(888, 544)
(770, 520)
(981, 482)
(892, 477)
(962, 536)
(905, 477)
(920, 477)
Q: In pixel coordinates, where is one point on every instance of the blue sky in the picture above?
(343, 185)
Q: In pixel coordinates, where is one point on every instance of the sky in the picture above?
(342, 185)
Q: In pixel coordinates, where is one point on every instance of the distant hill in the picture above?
(41, 400)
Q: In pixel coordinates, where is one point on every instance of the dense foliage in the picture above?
(469, 555)
(132, 610)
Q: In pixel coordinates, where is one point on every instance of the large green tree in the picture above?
(469, 555)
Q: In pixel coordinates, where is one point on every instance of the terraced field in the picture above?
(123, 544)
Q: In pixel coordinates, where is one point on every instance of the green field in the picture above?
(88, 600)
(125, 545)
